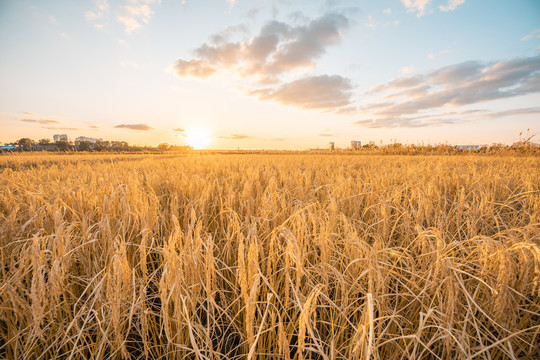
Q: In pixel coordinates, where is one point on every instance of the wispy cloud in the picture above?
(407, 69)
(418, 100)
(59, 128)
(179, 130)
(406, 122)
(131, 64)
(420, 7)
(235, 137)
(535, 33)
(137, 12)
(452, 5)
(513, 112)
(100, 10)
(40, 121)
(134, 126)
(132, 14)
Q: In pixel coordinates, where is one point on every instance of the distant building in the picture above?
(45, 147)
(87, 139)
(60, 137)
(332, 145)
(469, 147)
(8, 148)
(355, 145)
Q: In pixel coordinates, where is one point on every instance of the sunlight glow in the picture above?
(198, 138)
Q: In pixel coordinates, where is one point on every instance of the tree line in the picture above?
(27, 144)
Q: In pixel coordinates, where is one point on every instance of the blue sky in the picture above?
(271, 74)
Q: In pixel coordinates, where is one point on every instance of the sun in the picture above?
(198, 138)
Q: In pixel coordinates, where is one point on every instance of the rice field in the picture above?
(269, 257)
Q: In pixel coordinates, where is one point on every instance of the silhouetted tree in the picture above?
(84, 145)
(62, 145)
(25, 144)
(163, 146)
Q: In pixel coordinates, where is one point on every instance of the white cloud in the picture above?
(102, 7)
(131, 64)
(534, 33)
(91, 16)
(452, 5)
(371, 23)
(407, 69)
(130, 23)
(141, 11)
(387, 11)
(432, 56)
(52, 19)
(418, 6)
(132, 13)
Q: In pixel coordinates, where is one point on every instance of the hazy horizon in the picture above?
(270, 74)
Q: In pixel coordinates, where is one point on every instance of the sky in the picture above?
(263, 74)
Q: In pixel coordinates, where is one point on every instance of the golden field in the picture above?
(269, 257)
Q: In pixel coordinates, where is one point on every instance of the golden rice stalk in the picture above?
(304, 319)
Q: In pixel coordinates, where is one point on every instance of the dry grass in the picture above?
(269, 257)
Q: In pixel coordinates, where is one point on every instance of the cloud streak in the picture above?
(235, 137)
(40, 121)
(142, 127)
(534, 33)
(420, 7)
(59, 128)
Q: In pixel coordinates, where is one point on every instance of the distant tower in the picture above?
(355, 145)
(332, 145)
